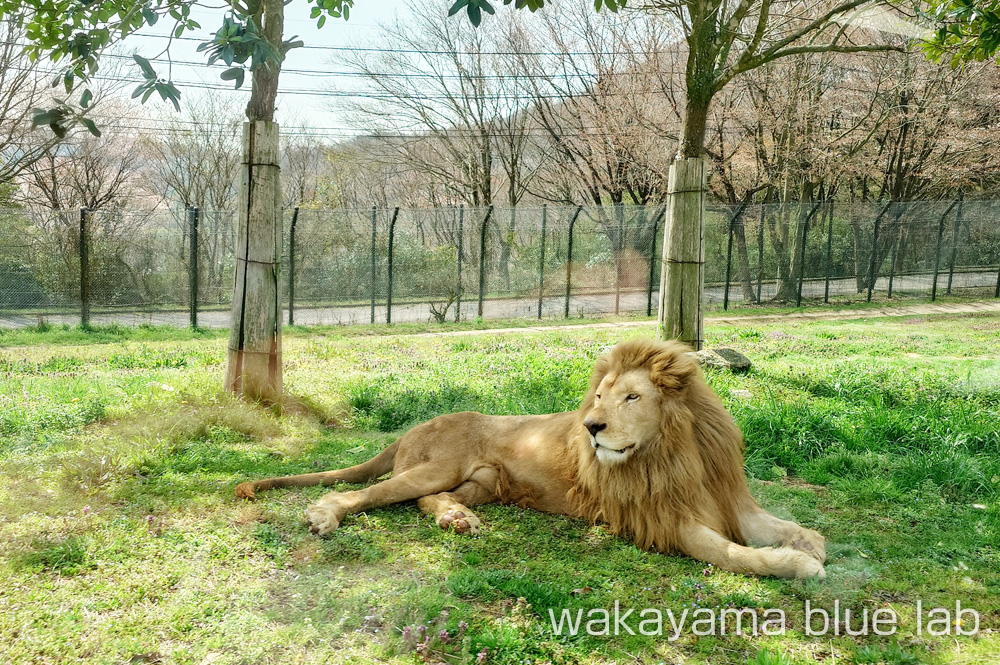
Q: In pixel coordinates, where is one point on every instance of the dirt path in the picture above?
(883, 312)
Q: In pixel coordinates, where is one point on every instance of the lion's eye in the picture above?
(598, 396)
(632, 397)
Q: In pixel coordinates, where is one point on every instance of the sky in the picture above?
(297, 106)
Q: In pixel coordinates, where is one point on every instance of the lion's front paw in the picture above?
(787, 562)
(460, 522)
(810, 542)
(323, 519)
(245, 491)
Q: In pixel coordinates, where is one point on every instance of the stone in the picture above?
(724, 358)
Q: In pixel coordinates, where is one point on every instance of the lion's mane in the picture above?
(693, 471)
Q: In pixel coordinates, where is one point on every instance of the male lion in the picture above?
(652, 452)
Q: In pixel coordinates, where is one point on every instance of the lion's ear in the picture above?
(672, 367)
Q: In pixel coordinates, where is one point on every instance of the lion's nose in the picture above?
(593, 426)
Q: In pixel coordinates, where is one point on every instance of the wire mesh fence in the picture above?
(459, 264)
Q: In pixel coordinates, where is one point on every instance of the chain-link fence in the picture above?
(456, 263)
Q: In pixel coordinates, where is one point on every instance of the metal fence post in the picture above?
(372, 273)
(291, 267)
(802, 252)
(392, 239)
(482, 260)
(193, 219)
(619, 248)
(84, 270)
(873, 258)
(892, 258)
(652, 262)
(829, 254)
(458, 290)
(760, 255)
(937, 252)
(541, 262)
(569, 260)
(954, 243)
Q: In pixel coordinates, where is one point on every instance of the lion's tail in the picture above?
(361, 473)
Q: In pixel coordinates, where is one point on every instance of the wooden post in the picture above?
(254, 363)
(541, 262)
(193, 214)
(84, 270)
(569, 260)
(482, 260)
(680, 311)
(291, 267)
(392, 240)
(458, 290)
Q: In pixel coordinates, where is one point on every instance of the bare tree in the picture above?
(196, 157)
(435, 104)
(23, 86)
(97, 173)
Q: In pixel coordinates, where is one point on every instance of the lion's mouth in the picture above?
(620, 451)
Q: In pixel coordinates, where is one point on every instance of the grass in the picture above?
(120, 540)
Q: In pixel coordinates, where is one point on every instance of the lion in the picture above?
(651, 452)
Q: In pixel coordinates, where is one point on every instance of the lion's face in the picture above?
(625, 416)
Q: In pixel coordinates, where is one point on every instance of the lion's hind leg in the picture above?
(762, 528)
(703, 543)
(451, 509)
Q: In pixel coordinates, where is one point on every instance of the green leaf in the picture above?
(475, 16)
(321, 21)
(457, 7)
(91, 127)
(147, 69)
(86, 98)
(149, 15)
(234, 74)
(44, 117)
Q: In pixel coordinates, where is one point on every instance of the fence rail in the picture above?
(458, 263)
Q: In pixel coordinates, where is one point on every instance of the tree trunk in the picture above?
(682, 282)
(253, 367)
(680, 307)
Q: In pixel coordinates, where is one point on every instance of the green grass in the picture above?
(120, 540)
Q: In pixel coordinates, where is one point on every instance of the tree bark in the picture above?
(680, 307)
(253, 366)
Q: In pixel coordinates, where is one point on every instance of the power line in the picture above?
(410, 75)
(373, 49)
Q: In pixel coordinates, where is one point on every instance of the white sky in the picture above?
(293, 109)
